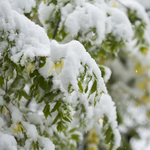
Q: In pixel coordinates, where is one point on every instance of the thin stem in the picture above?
(8, 110)
(30, 99)
(6, 87)
(57, 25)
(22, 114)
(123, 4)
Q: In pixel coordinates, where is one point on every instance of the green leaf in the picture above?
(72, 147)
(60, 126)
(66, 118)
(57, 105)
(18, 83)
(49, 97)
(24, 94)
(108, 135)
(89, 78)
(40, 100)
(50, 83)
(35, 73)
(42, 62)
(1, 109)
(102, 70)
(56, 118)
(42, 82)
(70, 90)
(46, 110)
(95, 102)
(80, 86)
(93, 88)
(73, 129)
(35, 145)
(1, 81)
(54, 2)
(75, 137)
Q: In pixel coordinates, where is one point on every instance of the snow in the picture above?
(142, 142)
(107, 73)
(74, 54)
(119, 25)
(45, 12)
(16, 116)
(1, 123)
(1, 101)
(82, 18)
(135, 6)
(107, 108)
(145, 3)
(22, 6)
(7, 142)
(64, 61)
(32, 132)
(86, 17)
(46, 144)
(35, 119)
(30, 39)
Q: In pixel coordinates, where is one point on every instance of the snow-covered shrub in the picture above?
(53, 76)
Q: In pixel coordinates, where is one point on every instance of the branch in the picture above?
(57, 25)
(20, 111)
(30, 99)
(8, 110)
(123, 4)
(6, 87)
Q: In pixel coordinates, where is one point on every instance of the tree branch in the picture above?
(57, 25)
(30, 99)
(123, 4)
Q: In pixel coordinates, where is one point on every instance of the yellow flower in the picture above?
(139, 69)
(58, 67)
(17, 128)
(92, 147)
(145, 51)
(138, 103)
(4, 110)
(114, 5)
(147, 67)
(141, 85)
(148, 114)
(30, 67)
(146, 98)
(92, 137)
(44, 1)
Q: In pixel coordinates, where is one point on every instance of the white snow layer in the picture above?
(119, 25)
(85, 17)
(135, 6)
(30, 39)
(107, 107)
(145, 3)
(46, 143)
(7, 142)
(1, 122)
(22, 6)
(74, 54)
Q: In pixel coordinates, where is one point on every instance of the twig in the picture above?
(57, 25)
(123, 5)
(8, 110)
(6, 87)
(30, 99)
(22, 114)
